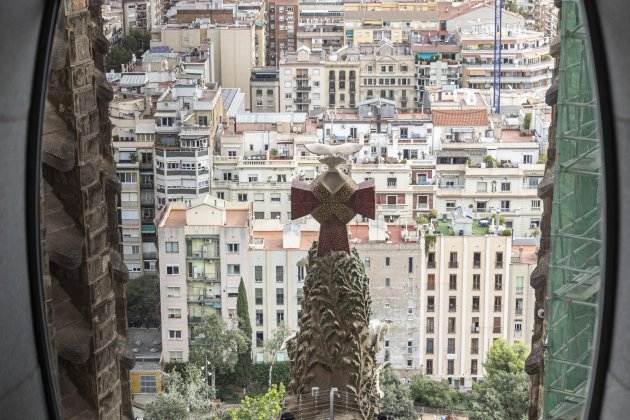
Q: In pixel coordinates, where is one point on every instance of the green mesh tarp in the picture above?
(574, 270)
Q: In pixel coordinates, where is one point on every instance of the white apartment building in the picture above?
(187, 120)
(202, 251)
(302, 81)
(526, 65)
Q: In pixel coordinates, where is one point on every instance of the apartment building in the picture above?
(388, 72)
(264, 90)
(136, 15)
(282, 28)
(201, 249)
(342, 79)
(234, 56)
(526, 65)
(320, 25)
(187, 120)
(133, 139)
(302, 81)
(397, 26)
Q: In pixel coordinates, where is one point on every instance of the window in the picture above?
(475, 303)
(301, 272)
(258, 293)
(534, 223)
(473, 366)
(474, 326)
(410, 264)
(259, 197)
(499, 260)
(518, 327)
(387, 282)
(497, 304)
(128, 177)
(430, 303)
(450, 367)
(260, 339)
(450, 346)
(430, 328)
(451, 325)
(172, 291)
(520, 280)
(148, 384)
(175, 334)
(275, 215)
(423, 201)
(498, 282)
(452, 282)
(452, 261)
(366, 262)
(275, 197)
(429, 367)
(172, 269)
(279, 317)
(279, 273)
(482, 206)
(279, 296)
(391, 182)
(233, 248)
(450, 205)
(430, 281)
(535, 204)
(505, 205)
(258, 273)
(259, 317)
(431, 260)
(482, 186)
(242, 197)
(429, 347)
(505, 186)
(527, 159)
(518, 306)
(496, 327)
(474, 345)
(477, 260)
(174, 313)
(387, 261)
(234, 269)
(259, 215)
(176, 356)
(476, 282)
(452, 303)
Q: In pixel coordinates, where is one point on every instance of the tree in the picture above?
(503, 357)
(244, 363)
(504, 392)
(527, 121)
(500, 396)
(137, 41)
(143, 301)
(273, 345)
(116, 56)
(430, 393)
(167, 406)
(396, 402)
(216, 347)
(190, 384)
(261, 407)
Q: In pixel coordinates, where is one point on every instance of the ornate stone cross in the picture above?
(333, 199)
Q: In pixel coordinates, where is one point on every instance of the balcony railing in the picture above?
(474, 329)
(204, 254)
(453, 264)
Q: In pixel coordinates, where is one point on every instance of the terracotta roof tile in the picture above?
(460, 117)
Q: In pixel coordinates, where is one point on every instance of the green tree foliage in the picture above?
(136, 42)
(396, 403)
(431, 393)
(503, 394)
(167, 406)
(190, 383)
(244, 364)
(500, 396)
(262, 407)
(143, 301)
(215, 346)
(116, 56)
(527, 121)
(273, 345)
(504, 357)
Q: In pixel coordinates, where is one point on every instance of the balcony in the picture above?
(453, 264)
(204, 254)
(303, 87)
(474, 329)
(302, 100)
(208, 278)
(431, 264)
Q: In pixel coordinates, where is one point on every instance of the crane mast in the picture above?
(497, 56)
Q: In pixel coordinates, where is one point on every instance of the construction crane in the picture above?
(497, 56)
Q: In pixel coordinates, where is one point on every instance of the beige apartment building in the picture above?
(302, 81)
(445, 297)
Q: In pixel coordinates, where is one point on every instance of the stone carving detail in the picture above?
(335, 346)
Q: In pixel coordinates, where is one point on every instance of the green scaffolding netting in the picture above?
(574, 269)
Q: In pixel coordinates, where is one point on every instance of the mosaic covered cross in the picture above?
(333, 199)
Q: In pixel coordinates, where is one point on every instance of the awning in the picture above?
(148, 228)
